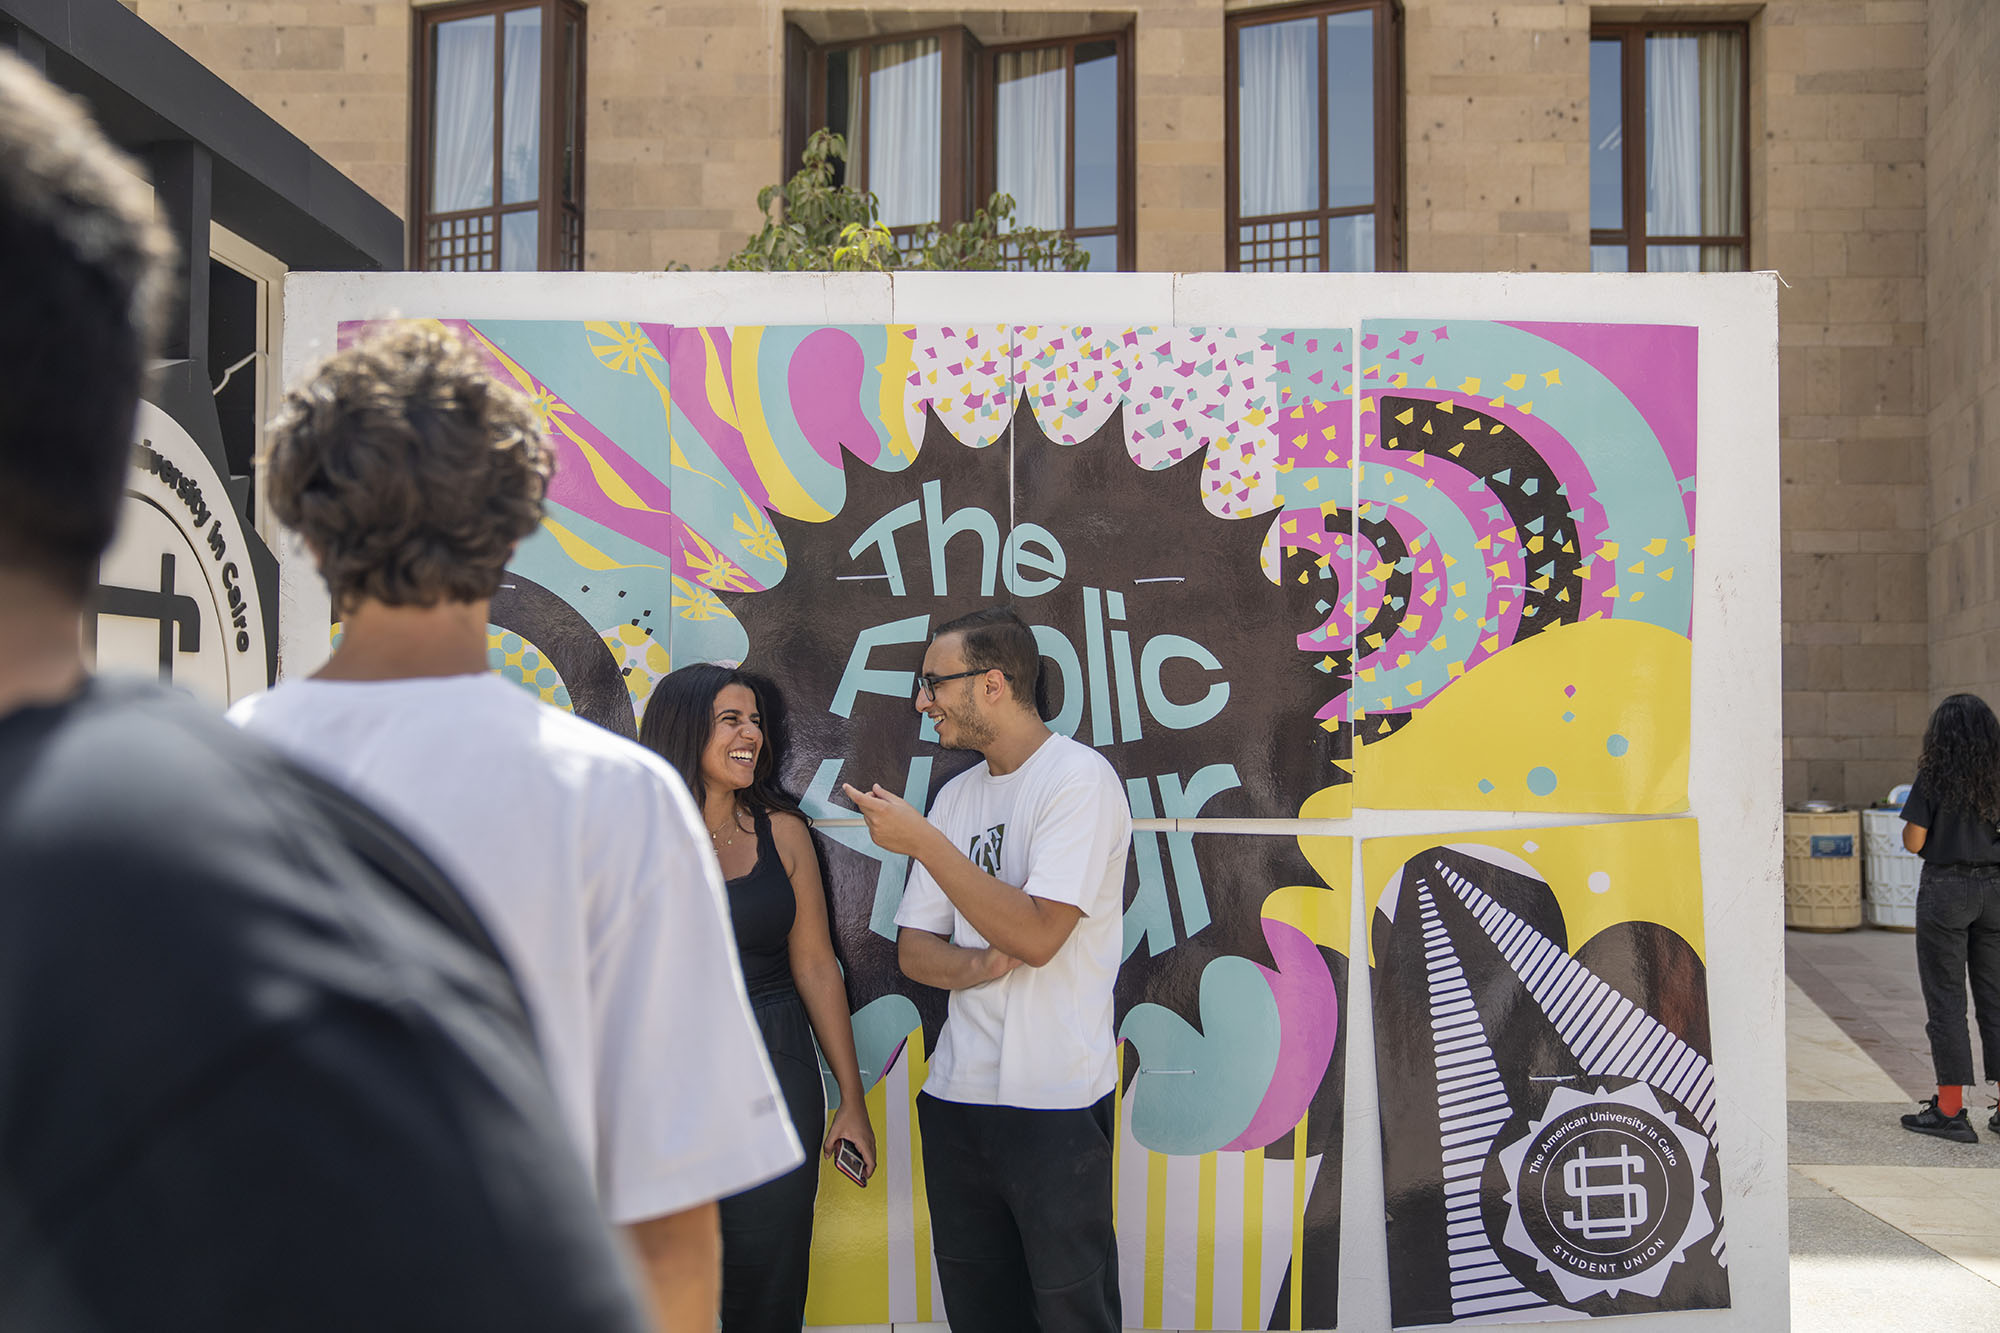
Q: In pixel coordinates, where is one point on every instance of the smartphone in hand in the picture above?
(848, 1161)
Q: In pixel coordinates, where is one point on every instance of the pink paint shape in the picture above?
(1308, 1026)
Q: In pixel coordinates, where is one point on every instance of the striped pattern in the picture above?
(1204, 1242)
(1606, 1032)
(1472, 1108)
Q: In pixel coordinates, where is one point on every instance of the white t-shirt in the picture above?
(1059, 827)
(583, 854)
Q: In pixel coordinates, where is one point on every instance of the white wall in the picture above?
(1735, 774)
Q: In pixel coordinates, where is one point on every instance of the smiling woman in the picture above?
(723, 730)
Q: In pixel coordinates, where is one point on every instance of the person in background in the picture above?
(722, 730)
(260, 1065)
(1952, 820)
(411, 475)
(1015, 905)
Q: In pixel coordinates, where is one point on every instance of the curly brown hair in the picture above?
(409, 471)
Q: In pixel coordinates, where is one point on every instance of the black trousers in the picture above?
(1958, 932)
(1021, 1216)
(767, 1231)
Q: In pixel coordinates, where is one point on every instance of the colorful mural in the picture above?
(1526, 507)
(1466, 546)
(1170, 508)
(1543, 1054)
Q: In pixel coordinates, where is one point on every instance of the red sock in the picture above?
(1950, 1100)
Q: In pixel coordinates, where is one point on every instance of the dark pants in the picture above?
(1958, 930)
(1021, 1216)
(767, 1231)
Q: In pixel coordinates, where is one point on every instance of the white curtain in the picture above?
(905, 96)
(1673, 137)
(1032, 141)
(1277, 117)
(521, 112)
(1722, 165)
(462, 102)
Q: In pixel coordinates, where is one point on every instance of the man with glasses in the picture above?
(1014, 906)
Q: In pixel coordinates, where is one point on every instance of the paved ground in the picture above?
(1891, 1230)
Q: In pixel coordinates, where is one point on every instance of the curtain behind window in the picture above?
(905, 99)
(1722, 166)
(1031, 138)
(462, 102)
(1277, 117)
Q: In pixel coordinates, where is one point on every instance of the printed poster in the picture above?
(1543, 1065)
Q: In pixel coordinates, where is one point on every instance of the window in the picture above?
(899, 103)
(1668, 144)
(1314, 138)
(1058, 136)
(937, 122)
(496, 178)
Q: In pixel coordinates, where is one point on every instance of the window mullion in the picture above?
(1635, 151)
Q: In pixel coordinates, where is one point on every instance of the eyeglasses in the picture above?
(927, 685)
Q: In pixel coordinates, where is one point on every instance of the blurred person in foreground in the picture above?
(260, 1065)
(411, 475)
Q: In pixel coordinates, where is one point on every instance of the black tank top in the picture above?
(762, 908)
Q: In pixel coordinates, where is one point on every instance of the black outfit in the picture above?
(767, 1230)
(1958, 932)
(260, 1067)
(1027, 1242)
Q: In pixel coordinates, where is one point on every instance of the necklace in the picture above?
(715, 834)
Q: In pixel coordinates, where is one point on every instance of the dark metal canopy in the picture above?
(265, 184)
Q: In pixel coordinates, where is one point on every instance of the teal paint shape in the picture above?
(1196, 1090)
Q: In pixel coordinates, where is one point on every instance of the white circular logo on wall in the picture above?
(176, 598)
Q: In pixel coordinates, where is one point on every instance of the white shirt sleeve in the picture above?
(1083, 823)
(687, 1107)
(924, 906)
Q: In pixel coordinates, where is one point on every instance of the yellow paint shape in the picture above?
(1504, 718)
(895, 370)
(787, 495)
(581, 551)
(1650, 868)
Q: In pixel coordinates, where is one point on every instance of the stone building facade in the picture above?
(1873, 171)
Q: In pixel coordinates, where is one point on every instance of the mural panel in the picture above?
(1543, 1063)
(1526, 521)
(810, 501)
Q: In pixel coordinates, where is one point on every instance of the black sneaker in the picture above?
(1994, 1123)
(1958, 1128)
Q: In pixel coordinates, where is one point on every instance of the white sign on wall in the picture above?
(176, 597)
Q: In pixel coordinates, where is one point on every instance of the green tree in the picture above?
(812, 224)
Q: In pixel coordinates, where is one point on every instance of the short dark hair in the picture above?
(680, 714)
(997, 637)
(84, 269)
(410, 472)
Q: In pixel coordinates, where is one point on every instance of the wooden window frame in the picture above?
(958, 52)
(988, 119)
(1632, 88)
(967, 179)
(1387, 205)
(559, 230)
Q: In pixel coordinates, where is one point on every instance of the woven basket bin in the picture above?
(1823, 870)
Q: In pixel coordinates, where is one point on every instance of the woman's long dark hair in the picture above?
(680, 716)
(1961, 759)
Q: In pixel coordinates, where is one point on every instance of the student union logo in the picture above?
(985, 850)
(1605, 1191)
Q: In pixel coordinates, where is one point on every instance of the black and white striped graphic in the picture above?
(1607, 1032)
(1472, 1108)
(1509, 1069)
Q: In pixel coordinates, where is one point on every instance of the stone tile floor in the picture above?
(1890, 1230)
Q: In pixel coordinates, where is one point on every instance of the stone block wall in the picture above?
(1964, 349)
(1884, 493)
